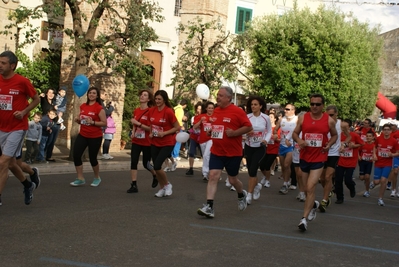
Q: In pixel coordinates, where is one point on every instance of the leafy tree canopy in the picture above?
(207, 55)
(304, 52)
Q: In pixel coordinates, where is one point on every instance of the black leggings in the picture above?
(106, 145)
(254, 156)
(135, 155)
(267, 162)
(81, 143)
(159, 154)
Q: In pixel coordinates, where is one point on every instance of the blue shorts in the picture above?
(381, 172)
(396, 162)
(308, 166)
(365, 167)
(283, 150)
(232, 164)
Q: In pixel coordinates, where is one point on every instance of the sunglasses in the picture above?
(316, 104)
(331, 115)
(287, 109)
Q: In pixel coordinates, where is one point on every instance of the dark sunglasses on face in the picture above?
(331, 115)
(315, 104)
(287, 109)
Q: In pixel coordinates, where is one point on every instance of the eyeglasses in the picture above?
(316, 104)
(287, 109)
(331, 115)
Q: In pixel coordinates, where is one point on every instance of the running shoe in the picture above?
(389, 186)
(323, 206)
(352, 192)
(393, 193)
(168, 190)
(205, 178)
(302, 198)
(366, 194)
(283, 190)
(381, 202)
(227, 182)
(292, 187)
(174, 166)
(272, 173)
(244, 169)
(166, 169)
(267, 184)
(35, 178)
(303, 224)
(242, 202)
(263, 180)
(249, 198)
(160, 193)
(190, 172)
(206, 211)
(78, 182)
(133, 189)
(232, 188)
(313, 211)
(372, 185)
(257, 189)
(28, 191)
(96, 182)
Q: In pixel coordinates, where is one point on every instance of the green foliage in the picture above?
(305, 52)
(203, 59)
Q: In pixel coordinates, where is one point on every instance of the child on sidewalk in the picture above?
(33, 137)
(47, 123)
(60, 106)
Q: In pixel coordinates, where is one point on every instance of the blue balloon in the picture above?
(80, 85)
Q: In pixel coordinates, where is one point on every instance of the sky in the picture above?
(372, 12)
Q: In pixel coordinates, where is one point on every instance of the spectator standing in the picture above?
(60, 106)
(48, 124)
(109, 131)
(179, 113)
(33, 138)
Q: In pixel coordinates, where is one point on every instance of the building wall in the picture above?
(390, 64)
(6, 42)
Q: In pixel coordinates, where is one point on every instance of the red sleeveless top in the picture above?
(314, 133)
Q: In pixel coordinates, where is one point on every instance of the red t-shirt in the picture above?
(364, 131)
(273, 146)
(162, 121)
(314, 133)
(14, 95)
(349, 157)
(87, 130)
(383, 146)
(141, 137)
(366, 151)
(204, 127)
(231, 117)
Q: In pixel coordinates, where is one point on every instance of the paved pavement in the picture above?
(105, 226)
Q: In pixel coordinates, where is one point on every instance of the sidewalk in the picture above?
(120, 162)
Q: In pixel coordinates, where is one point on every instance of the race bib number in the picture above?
(363, 137)
(314, 139)
(271, 141)
(139, 133)
(155, 129)
(347, 153)
(384, 152)
(207, 126)
(367, 156)
(5, 102)
(255, 137)
(83, 120)
(217, 131)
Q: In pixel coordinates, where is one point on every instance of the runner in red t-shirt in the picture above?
(364, 129)
(393, 176)
(164, 125)
(141, 140)
(229, 123)
(91, 119)
(385, 148)
(314, 146)
(203, 124)
(194, 138)
(15, 92)
(346, 165)
(366, 161)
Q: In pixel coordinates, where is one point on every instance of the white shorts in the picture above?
(11, 142)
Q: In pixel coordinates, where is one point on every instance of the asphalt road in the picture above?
(105, 226)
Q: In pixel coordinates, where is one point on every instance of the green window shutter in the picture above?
(243, 16)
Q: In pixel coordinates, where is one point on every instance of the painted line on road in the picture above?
(337, 215)
(297, 238)
(72, 263)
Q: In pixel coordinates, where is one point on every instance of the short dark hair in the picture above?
(12, 58)
(260, 100)
(39, 114)
(317, 96)
(183, 102)
(387, 125)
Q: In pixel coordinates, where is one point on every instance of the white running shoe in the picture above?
(174, 166)
(303, 224)
(249, 198)
(242, 202)
(292, 187)
(393, 193)
(232, 188)
(160, 193)
(263, 181)
(272, 172)
(168, 189)
(312, 214)
(267, 184)
(166, 169)
(381, 202)
(302, 197)
(257, 189)
(227, 182)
